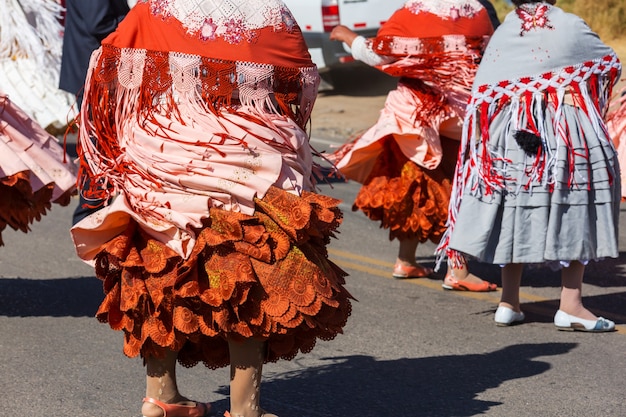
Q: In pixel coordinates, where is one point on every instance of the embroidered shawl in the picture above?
(438, 42)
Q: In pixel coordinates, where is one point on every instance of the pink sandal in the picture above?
(409, 271)
(450, 283)
(181, 410)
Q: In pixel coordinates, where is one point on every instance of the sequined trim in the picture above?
(450, 9)
(234, 21)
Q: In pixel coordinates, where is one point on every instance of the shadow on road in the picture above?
(417, 387)
(63, 297)
(608, 305)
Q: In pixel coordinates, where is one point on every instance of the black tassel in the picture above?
(528, 141)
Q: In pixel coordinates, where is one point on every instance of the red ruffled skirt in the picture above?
(265, 276)
(409, 200)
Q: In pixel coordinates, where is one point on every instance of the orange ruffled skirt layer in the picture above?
(265, 276)
(409, 200)
(34, 171)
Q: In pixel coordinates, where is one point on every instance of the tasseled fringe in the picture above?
(590, 85)
(454, 70)
(530, 142)
(402, 47)
(450, 61)
(131, 84)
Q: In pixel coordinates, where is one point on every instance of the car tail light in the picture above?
(330, 14)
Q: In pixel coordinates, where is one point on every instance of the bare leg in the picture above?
(571, 292)
(405, 266)
(406, 252)
(161, 384)
(511, 282)
(246, 367)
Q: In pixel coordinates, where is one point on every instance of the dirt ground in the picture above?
(353, 105)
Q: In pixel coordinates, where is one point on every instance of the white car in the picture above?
(317, 18)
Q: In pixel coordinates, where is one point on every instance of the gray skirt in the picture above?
(574, 216)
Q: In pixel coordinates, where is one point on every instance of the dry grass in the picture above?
(502, 7)
(605, 17)
(619, 45)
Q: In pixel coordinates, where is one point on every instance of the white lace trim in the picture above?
(229, 19)
(254, 86)
(452, 9)
(30, 28)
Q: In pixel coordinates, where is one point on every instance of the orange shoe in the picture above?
(450, 283)
(409, 271)
(181, 410)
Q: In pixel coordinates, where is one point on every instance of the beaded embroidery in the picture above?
(452, 9)
(235, 21)
(533, 17)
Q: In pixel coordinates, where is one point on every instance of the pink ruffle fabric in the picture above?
(26, 146)
(417, 135)
(34, 169)
(173, 178)
(429, 101)
(616, 124)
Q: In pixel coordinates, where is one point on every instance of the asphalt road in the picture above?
(409, 349)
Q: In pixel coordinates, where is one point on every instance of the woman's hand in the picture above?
(343, 34)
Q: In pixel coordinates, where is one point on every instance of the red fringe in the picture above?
(218, 84)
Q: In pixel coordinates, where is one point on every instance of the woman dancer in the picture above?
(213, 249)
(406, 161)
(537, 179)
